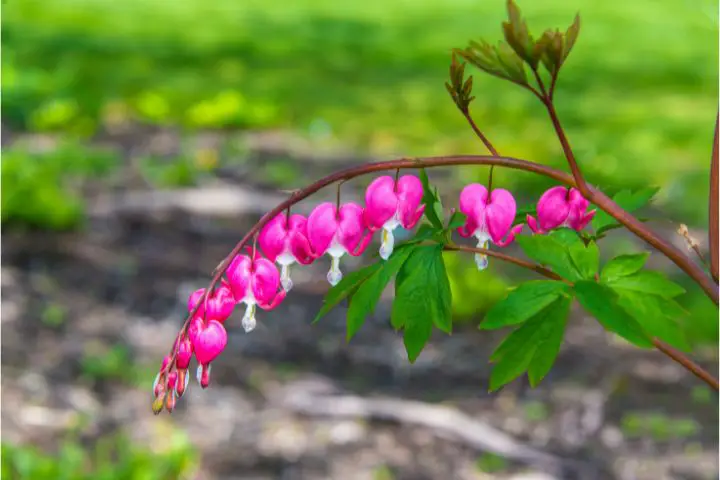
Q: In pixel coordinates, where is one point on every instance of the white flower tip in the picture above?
(334, 277)
(198, 375)
(387, 245)
(249, 324)
(287, 284)
(481, 261)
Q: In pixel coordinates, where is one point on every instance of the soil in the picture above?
(293, 400)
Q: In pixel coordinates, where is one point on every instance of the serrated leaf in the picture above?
(347, 286)
(658, 316)
(515, 354)
(623, 265)
(422, 298)
(548, 349)
(364, 300)
(629, 201)
(648, 281)
(523, 303)
(586, 259)
(546, 250)
(602, 302)
(457, 220)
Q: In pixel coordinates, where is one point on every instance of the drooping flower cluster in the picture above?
(336, 230)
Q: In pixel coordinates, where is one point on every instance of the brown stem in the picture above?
(480, 135)
(629, 221)
(565, 143)
(595, 196)
(486, 142)
(506, 258)
(688, 364)
(713, 208)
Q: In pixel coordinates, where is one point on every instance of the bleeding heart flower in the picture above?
(254, 282)
(158, 386)
(210, 340)
(285, 242)
(488, 220)
(337, 233)
(220, 304)
(184, 352)
(389, 205)
(560, 207)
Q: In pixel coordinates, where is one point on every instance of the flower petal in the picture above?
(473, 199)
(500, 214)
(553, 208)
(272, 237)
(514, 231)
(410, 193)
(265, 280)
(351, 227)
(381, 202)
(321, 226)
(300, 248)
(238, 274)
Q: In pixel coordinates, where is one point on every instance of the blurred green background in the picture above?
(638, 95)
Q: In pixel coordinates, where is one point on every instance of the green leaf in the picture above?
(433, 206)
(347, 286)
(549, 348)
(648, 281)
(523, 303)
(363, 301)
(586, 259)
(602, 302)
(623, 265)
(660, 317)
(571, 36)
(457, 220)
(422, 298)
(629, 201)
(515, 354)
(566, 237)
(546, 250)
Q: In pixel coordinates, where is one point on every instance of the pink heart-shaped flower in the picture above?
(210, 341)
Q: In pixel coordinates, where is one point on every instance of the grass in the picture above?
(637, 101)
(112, 457)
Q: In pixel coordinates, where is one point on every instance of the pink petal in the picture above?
(351, 227)
(473, 199)
(553, 208)
(410, 193)
(577, 200)
(514, 231)
(321, 226)
(500, 214)
(238, 274)
(414, 218)
(532, 224)
(272, 237)
(300, 248)
(195, 325)
(220, 304)
(265, 280)
(297, 223)
(184, 353)
(469, 228)
(362, 246)
(381, 202)
(279, 297)
(583, 220)
(209, 342)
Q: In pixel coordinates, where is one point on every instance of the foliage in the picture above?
(638, 114)
(113, 458)
(40, 189)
